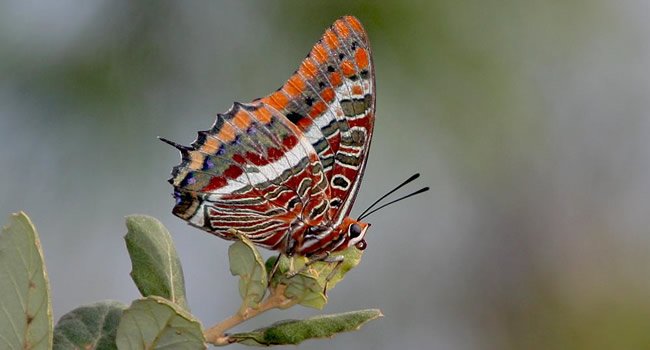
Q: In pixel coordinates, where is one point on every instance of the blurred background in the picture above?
(528, 119)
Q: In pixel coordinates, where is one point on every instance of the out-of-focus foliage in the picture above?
(89, 327)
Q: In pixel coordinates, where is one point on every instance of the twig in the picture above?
(216, 334)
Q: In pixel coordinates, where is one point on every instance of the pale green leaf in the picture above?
(157, 323)
(307, 290)
(89, 327)
(156, 268)
(351, 258)
(297, 331)
(309, 286)
(25, 309)
(246, 262)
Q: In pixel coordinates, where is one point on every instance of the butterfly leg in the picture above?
(326, 258)
(276, 264)
(337, 260)
(322, 257)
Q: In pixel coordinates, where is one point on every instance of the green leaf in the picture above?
(304, 287)
(351, 258)
(307, 290)
(246, 262)
(89, 327)
(308, 287)
(156, 269)
(297, 331)
(157, 323)
(26, 312)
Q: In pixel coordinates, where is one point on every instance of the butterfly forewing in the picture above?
(274, 166)
(331, 99)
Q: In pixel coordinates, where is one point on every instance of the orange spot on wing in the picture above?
(242, 120)
(263, 115)
(354, 23)
(342, 28)
(361, 57)
(196, 160)
(277, 100)
(294, 86)
(304, 123)
(331, 40)
(347, 68)
(211, 145)
(357, 90)
(335, 79)
(227, 133)
(327, 94)
(317, 109)
(308, 69)
(319, 54)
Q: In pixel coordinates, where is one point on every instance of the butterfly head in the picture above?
(355, 232)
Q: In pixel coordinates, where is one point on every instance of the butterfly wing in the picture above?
(331, 98)
(252, 171)
(293, 159)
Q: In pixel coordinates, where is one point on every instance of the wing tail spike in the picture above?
(178, 146)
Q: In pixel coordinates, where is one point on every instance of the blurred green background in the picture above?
(528, 119)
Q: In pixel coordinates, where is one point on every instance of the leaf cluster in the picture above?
(161, 317)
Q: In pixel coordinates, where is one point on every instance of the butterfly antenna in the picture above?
(422, 190)
(406, 182)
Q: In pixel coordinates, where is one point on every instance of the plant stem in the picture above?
(216, 334)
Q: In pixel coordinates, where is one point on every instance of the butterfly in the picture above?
(285, 169)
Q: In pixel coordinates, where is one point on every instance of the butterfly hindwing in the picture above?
(253, 172)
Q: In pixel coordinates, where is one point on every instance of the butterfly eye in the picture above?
(355, 231)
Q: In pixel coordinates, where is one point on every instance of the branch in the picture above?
(216, 335)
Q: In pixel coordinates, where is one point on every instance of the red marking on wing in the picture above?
(233, 172)
(215, 183)
(274, 153)
(239, 159)
(257, 159)
(290, 141)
